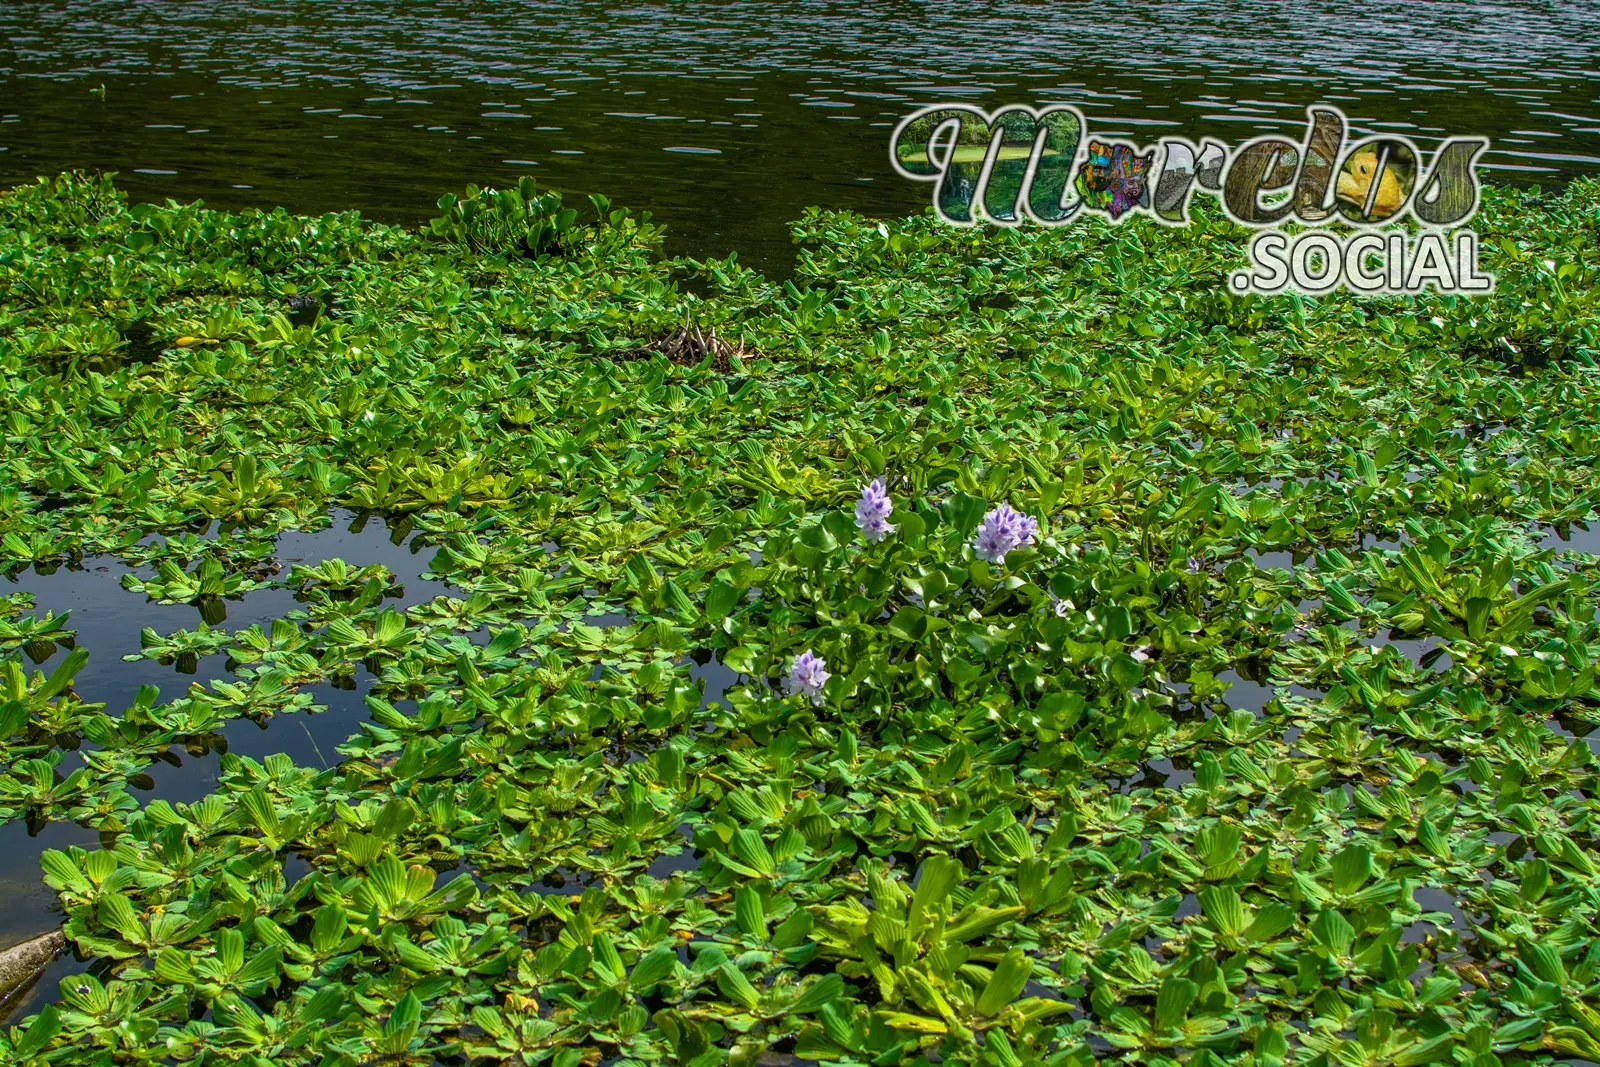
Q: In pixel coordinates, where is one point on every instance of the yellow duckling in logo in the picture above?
(1355, 185)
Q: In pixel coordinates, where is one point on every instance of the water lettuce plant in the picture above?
(876, 692)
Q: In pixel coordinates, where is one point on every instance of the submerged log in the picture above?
(21, 964)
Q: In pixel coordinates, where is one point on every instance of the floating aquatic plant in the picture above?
(1324, 797)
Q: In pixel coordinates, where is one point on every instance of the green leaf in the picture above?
(749, 914)
(41, 1031)
(63, 674)
(452, 896)
(741, 659)
(1351, 868)
(1125, 671)
(1223, 906)
(749, 849)
(62, 875)
(328, 929)
(607, 960)
(393, 820)
(653, 968)
(1173, 1000)
(1477, 617)
(1009, 978)
(1544, 961)
(173, 967)
(939, 875)
(979, 922)
(735, 986)
(116, 912)
(263, 966)
(720, 600)
(1270, 920)
(819, 993)
(910, 623)
(793, 930)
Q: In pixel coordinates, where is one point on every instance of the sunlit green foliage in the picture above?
(1012, 833)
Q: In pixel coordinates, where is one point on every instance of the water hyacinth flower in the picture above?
(873, 510)
(1003, 529)
(1062, 608)
(808, 675)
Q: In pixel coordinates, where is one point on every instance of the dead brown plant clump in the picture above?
(689, 345)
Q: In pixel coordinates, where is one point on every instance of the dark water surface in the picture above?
(107, 619)
(725, 120)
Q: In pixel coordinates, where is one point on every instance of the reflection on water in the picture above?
(107, 620)
(1245, 693)
(708, 666)
(725, 120)
(29, 901)
(1582, 538)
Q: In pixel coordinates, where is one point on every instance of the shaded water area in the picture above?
(727, 120)
(107, 619)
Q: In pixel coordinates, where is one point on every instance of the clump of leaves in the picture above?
(524, 221)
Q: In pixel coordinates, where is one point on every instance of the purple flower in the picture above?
(1062, 608)
(808, 675)
(872, 512)
(1003, 529)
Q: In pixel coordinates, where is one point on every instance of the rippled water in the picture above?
(726, 120)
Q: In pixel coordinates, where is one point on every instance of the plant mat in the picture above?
(1021, 820)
